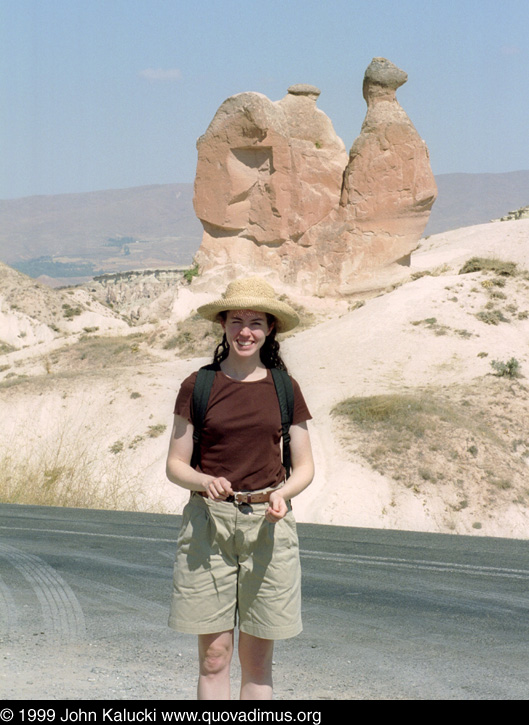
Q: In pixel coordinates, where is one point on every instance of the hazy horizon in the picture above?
(100, 95)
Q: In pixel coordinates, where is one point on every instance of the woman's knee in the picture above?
(215, 652)
(256, 656)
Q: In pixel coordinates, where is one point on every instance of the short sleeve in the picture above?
(184, 398)
(301, 411)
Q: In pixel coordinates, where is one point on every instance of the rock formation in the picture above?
(277, 193)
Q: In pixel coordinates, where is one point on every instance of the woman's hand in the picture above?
(277, 508)
(218, 489)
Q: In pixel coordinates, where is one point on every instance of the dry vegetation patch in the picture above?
(90, 355)
(306, 319)
(490, 290)
(53, 307)
(97, 353)
(506, 287)
(67, 471)
(467, 443)
(5, 348)
(193, 337)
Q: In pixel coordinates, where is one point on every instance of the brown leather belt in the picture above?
(250, 498)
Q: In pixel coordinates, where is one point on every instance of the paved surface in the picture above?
(388, 615)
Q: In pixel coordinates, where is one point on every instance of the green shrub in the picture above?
(189, 274)
(491, 316)
(509, 369)
(71, 312)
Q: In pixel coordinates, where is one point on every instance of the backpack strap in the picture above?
(201, 391)
(285, 395)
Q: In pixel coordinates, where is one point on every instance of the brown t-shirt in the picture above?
(241, 434)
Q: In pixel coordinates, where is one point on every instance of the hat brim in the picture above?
(286, 317)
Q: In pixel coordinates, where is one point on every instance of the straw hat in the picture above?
(252, 293)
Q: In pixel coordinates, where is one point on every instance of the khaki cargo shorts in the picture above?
(230, 565)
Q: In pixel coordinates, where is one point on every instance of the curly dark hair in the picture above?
(269, 353)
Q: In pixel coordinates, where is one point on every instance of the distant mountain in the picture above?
(468, 199)
(71, 237)
(78, 235)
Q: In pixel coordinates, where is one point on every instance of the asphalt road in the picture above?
(387, 615)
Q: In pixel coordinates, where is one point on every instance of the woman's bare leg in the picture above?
(255, 655)
(214, 655)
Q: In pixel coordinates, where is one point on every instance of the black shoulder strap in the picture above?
(285, 395)
(201, 391)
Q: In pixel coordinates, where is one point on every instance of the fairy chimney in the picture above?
(277, 193)
(389, 188)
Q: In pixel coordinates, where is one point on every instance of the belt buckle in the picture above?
(243, 506)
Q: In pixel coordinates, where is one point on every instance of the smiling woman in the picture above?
(246, 331)
(238, 556)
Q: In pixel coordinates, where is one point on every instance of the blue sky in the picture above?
(100, 94)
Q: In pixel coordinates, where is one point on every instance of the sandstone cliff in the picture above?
(277, 192)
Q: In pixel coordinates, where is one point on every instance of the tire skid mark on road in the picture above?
(488, 571)
(8, 609)
(113, 561)
(125, 598)
(61, 610)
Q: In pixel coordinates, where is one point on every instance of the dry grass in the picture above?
(96, 353)
(490, 264)
(65, 472)
(5, 348)
(306, 319)
(506, 288)
(194, 337)
(469, 444)
(89, 355)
